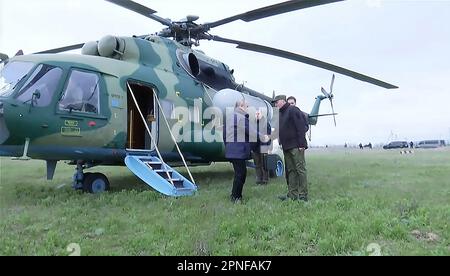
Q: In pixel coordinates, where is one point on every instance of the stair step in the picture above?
(154, 165)
(178, 183)
(161, 170)
(184, 189)
(151, 162)
(160, 176)
(164, 173)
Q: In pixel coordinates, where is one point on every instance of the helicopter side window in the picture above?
(11, 74)
(41, 86)
(81, 93)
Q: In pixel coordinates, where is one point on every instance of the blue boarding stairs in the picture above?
(150, 167)
(159, 175)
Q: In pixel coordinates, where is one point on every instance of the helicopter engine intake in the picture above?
(109, 46)
(90, 48)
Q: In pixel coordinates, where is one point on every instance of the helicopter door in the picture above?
(138, 137)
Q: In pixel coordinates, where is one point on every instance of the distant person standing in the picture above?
(361, 146)
(292, 100)
(292, 130)
(411, 144)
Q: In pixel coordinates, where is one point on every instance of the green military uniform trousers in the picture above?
(295, 163)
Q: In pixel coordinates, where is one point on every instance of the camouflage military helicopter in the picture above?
(116, 103)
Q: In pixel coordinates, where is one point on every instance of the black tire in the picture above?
(95, 183)
(82, 187)
(278, 171)
(86, 175)
(272, 174)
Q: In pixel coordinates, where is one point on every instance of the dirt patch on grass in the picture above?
(425, 236)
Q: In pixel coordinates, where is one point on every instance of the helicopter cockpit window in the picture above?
(41, 86)
(81, 93)
(11, 74)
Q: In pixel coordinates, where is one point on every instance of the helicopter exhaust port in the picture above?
(189, 62)
(193, 64)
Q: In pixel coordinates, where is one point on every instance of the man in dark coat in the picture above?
(292, 130)
(237, 136)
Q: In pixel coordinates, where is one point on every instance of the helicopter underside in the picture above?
(95, 155)
(107, 156)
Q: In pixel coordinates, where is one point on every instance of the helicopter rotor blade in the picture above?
(142, 10)
(322, 115)
(325, 92)
(62, 49)
(303, 59)
(272, 10)
(332, 84)
(332, 111)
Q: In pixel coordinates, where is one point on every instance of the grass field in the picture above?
(400, 203)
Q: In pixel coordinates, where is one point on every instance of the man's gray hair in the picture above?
(239, 103)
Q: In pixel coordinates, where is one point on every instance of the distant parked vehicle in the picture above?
(429, 144)
(396, 145)
(368, 146)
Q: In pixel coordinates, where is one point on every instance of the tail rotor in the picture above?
(330, 96)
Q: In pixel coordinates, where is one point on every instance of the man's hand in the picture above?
(265, 138)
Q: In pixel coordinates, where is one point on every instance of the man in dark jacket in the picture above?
(292, 130)
(237, 146)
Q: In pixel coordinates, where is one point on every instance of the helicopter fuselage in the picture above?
(45, 107)
(80, 107)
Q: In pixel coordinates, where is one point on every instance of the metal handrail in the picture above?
(149, 132)
(173, 138)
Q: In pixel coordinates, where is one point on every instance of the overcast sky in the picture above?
(406, 43)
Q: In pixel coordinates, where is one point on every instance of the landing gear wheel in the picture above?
(278, 171)
(95, 183)
(280, 168)
(81, 187)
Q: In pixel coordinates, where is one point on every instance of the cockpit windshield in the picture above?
(11, 74)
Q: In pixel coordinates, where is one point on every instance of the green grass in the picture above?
(357, 198)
